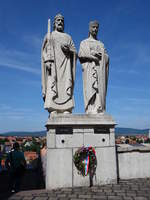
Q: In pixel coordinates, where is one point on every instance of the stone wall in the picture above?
(133, 161)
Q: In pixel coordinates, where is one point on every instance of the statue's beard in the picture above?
(60, 28)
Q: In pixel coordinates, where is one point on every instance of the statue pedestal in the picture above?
(65, 134)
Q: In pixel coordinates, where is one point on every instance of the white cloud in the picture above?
(16, 113)
(22, 67)
(20, 59)
(33, 83)
(132, 121)
(6, 111)
(130, 57)
(132, 89)
(33, 41)
(21, 119)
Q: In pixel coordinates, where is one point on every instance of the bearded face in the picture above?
(59, 24)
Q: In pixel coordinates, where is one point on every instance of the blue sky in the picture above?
(125, 31)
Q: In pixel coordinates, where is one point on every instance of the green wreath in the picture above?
(85, 161)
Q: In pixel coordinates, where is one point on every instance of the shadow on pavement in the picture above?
(32, 179)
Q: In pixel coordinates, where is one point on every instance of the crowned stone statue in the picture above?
(58, 58)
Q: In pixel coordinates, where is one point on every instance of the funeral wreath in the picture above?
(85, 161)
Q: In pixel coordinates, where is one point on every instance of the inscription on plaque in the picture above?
(64, 130)
(101, 130)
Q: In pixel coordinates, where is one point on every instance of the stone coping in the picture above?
(124, 148)
(81, 119)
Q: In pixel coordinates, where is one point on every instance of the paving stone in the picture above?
(110, 193)
(138, 189)
(144, 194)
(96, 190)
(130, 193)
(27, 198)
(144, 188)
(114, 198)
(41, 195)
(76, 199)
(61, 195)
(121, 194)
(116, 187)
(100, 193)
(72, 195)
(67, 189)
(125, 187)
(108, 190)
(52, 195)
(85, 196)
(119, 191)
(99, 197)
(15, 198)
(128, 198)
(134, 187)
(40, 198)
(140, 198)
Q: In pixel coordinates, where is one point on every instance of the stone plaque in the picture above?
(64, 130)
(99, 130)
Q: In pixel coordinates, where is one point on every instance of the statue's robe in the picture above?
(57, 85)
(95, 75)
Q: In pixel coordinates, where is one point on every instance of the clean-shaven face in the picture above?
(94, 29)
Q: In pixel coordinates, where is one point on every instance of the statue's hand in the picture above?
(94, 58)
(96, 54)
(65, 48)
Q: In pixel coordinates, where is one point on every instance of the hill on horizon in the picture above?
(24, 133)
(131, 131)
(118, 131)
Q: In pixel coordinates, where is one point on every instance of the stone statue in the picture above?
(95, 65)
(58, 69)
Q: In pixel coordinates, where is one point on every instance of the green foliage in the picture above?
(139, 141)
(2, 141)
(34, 146)
(79, 160)
(148, 140)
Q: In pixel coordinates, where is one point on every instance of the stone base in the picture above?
(65, 134)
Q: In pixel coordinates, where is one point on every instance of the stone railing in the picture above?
(133, 161)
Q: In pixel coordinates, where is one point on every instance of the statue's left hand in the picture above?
(65, 48)
(96, 54)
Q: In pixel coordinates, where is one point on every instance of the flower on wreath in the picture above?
(85, 161)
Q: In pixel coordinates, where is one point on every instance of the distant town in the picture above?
(132, 139)
(32, 146)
